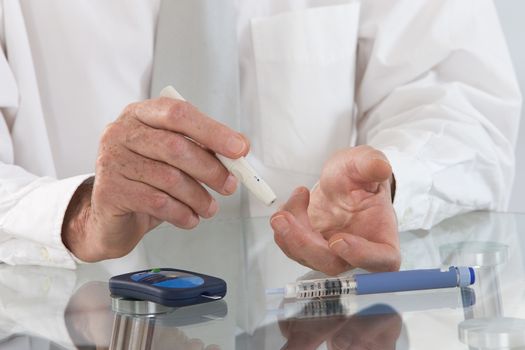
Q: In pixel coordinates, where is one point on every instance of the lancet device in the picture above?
(240, 167)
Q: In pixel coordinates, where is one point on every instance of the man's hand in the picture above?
(149, 171)
(347, 221)
(375, 328)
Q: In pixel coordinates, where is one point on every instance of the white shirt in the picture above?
(429, 83)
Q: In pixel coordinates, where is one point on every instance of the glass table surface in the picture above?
(53, 308)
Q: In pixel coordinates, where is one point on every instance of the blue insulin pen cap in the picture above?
(466, 276)
(387, 282)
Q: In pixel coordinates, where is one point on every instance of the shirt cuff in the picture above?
(412, 200)
(35, 223)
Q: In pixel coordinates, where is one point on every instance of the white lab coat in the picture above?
(429, 83)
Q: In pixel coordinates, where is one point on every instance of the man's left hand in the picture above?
(347, 221)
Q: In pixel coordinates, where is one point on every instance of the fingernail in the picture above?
(298, 191)
(212, 209)
(382, 159)
(235, 144)
(340, 240)
(340, 247)
(231, 184)
(193, 221)
(199, 344)
(280, 224)
(213, 347)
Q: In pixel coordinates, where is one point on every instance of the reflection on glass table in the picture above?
(352, 322)
(490, 242)
(376, 327)
(92, 321)
(485, 326)
(51, 308)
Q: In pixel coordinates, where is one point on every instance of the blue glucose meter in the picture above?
(169, 287)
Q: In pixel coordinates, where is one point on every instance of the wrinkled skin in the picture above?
(152, 165)
(347, 220)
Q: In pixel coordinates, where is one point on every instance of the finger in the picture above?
(213, 347)
(297, 204)
(170, 180)
(310, 333)
(137, 197)
(356, 333)
(305, 246)
(181, 117)
(369, 165)
(195, 344)
(362, 253)
(180, 152)
(385, 326)
(305, 340)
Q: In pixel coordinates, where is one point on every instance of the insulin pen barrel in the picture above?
(320, 288)
(387, 282)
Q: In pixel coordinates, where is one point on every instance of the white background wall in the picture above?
(512, 17)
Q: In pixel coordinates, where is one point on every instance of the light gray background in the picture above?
(512, 16)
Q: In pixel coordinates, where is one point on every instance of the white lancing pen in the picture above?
(240, 167)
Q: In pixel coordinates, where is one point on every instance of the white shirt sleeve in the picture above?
(438, 95)
(31, 213)
(31, 207)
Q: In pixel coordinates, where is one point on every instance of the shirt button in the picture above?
(45, 254)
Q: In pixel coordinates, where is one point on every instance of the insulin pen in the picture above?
(240, 167)
(381, 282)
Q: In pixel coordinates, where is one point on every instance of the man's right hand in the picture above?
(149, 171)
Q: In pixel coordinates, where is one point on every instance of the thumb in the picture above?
(361, 167)
(366, 164)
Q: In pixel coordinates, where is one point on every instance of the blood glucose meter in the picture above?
(168, 287)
